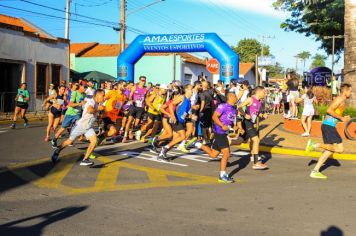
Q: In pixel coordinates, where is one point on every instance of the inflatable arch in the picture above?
(174, 43)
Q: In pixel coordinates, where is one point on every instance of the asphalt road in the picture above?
(127, 192)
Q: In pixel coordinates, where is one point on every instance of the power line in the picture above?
(94, 5)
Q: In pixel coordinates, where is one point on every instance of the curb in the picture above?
(296, 152)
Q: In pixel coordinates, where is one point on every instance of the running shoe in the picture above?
(163, 155)
(138, 135)
(13, 126)
(121, 132)
(54, 143)
(317, 175)
(143, 139)
(92, 156)
(124, 140)
(259, 166)
(25, 125)
(306, 134)
(86, 162)
(55, 155)
(258, 158)
(155, 141)
(310, 146)
(191, 142)
(182, 149)
(226, 179)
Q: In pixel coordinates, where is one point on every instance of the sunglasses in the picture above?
(143, 80)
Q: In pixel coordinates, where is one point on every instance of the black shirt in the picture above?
(208, 98)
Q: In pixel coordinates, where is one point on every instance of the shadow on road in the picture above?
(45, 219)
(328, 163)
(332, 231)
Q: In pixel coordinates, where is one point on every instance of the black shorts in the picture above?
(330, 135)
(107, 122)
(154, 117)
(220, 142)
(22, 105)
(250, 130)
(206, 118)
(55, 112)
(136, 112)
(178, 127)
(64, 111)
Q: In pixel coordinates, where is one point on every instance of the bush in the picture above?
(322, 94)
(320, 111)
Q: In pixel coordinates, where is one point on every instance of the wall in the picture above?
(105, 65)
(250, 77)
(195, 70)
(15, 46)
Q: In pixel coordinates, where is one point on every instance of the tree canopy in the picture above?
(318, 60)
(249, 48)
(318, 19)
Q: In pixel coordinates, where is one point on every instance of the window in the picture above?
(41, 79)
(187, 79)
(56, 75)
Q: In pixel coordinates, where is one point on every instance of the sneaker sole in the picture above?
(81, 164)
(315, 177)
(225, 182)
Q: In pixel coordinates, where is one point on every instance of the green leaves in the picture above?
(249, 48)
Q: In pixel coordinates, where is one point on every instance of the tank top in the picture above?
(139, 97)
(157, 103)
(167, 109)
(330, 120)
(183, 110)
(254, 109)
(60, 99)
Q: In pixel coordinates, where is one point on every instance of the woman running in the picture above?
(22, 99)
(55, 111)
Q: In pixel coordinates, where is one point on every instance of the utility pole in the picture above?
(122, 25)
(333, 37)
(66, 27)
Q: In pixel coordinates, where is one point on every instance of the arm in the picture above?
(333, 106)
(48, 99)
(149, 101)
(217, 121)
(163, 110)
(246, 103)
(176, 101)
(132, 93)
(72, 99)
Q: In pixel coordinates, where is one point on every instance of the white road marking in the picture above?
(148, 157)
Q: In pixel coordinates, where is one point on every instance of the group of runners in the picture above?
(201, 116)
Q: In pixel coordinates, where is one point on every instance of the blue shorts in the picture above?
(68, 120)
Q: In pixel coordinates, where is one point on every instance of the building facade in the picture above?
(29, 54)
(159, 68)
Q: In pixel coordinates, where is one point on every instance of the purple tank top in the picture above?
(227, 117)
(139, 96)
(254, 109)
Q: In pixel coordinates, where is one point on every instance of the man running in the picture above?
(332, 140)
(253, 112)
(224, 119)
(137, 97)
(84, 126)
(182, 107)
(206, 111)
(74, 112)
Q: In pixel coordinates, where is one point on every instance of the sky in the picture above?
(232, 20)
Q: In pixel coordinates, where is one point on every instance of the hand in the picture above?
(194, 117)
(346, 119)
(173, 119)
(225, 128)
(247, 117)
(101, 108)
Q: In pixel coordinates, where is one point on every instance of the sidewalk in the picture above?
(6, 117)
(273, 135)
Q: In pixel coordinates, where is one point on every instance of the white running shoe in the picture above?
(306, 134)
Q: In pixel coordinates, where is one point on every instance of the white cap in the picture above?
(163, 86)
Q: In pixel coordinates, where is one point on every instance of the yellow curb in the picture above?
(296, 152)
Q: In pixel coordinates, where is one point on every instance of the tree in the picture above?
(275, 70)
(305, 55)
(318, 60)
(323, 18)
(249, 48)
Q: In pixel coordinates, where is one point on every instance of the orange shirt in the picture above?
(113, 105)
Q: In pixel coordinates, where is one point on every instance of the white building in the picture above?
(29, 54)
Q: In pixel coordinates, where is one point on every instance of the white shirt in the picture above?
(89, 93)
(87, 120)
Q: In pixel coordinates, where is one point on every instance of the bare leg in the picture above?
(224, 159)
(50, 124)
(91, 146)
(309, 123)
(304, 118)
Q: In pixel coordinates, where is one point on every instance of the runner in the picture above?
(206, 111)
(181, 112)
(224, 119)
(253, 112)
(55, 111)
(126, 108)
(168, 116)
(114, 102)
(84, 126)
(332, 140)
(154, 103)
(22, 99)
(137, 97)
(73, 113)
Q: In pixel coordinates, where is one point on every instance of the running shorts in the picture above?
(154, 117)
(330, 135)
(55, 112)
(220, 142)
(178, 127)
(107, 122)
(22, 105)
(68, 120)
(78, 131)
(136, 112)
(206, 118)
(250, 130)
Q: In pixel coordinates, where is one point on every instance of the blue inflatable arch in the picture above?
(175, 43)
